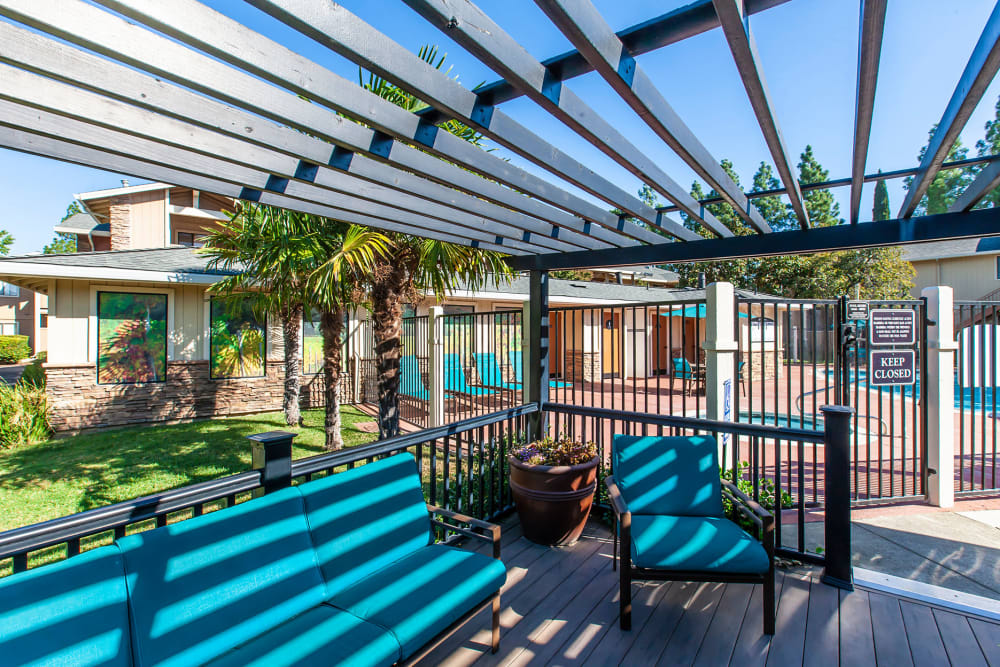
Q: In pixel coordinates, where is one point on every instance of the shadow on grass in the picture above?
(104, 467)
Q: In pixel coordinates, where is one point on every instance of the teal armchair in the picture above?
(688, 375)
(669, 521)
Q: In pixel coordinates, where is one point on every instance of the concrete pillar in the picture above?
(435, 366)
(720, 360)
(939, 394)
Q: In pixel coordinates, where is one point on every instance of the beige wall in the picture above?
(972, 278)
(148, 219)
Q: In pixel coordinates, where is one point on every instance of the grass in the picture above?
(66, 475)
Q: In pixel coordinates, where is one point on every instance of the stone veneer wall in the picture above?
(584, 365)
(77, 402)
(121, 223)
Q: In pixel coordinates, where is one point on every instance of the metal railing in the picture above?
(976, 377)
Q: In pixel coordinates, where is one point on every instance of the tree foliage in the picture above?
(6, 241)
(62, 242)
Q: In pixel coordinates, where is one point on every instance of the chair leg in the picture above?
(625, 595)
(614, 551)
(496, 624)
(769, 602)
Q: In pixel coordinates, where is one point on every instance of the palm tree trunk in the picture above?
(387, 312)
(331, 325)
(291, 327)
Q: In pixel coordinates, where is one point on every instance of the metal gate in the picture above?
(976, 330)
(881, 368)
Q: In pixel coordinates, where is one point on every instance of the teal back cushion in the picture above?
(668, 475)
(69, 613)
(366, 518)
(201, 587)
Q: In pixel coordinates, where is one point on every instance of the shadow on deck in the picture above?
(560, 607)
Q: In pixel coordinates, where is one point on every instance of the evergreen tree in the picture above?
(990, 145)
(6, 241)
(947, 184)
(880, 208)
(63, 243)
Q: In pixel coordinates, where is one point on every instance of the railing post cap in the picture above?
(271, 436)
(837, 409)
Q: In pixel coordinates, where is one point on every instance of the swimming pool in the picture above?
(782, 420)
(967, 398)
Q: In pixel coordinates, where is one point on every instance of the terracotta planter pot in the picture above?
(553, 502)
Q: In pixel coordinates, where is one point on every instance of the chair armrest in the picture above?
(617, 501)
(485, 526)
(747, 506)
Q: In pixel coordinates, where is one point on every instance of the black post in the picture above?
(272, 455)
(537, 379)
(836, 438)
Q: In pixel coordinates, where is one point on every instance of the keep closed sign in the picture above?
(891, 367)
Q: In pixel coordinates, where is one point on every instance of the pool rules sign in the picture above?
(892, 327)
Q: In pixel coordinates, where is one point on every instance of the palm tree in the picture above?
(418, 265)
(347, 256)
(272, 252)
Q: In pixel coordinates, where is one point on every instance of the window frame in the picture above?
(208, 347)
(5, 287)
(17, 328)
(93, 322)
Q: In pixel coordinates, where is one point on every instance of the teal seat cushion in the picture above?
(678, 476)
(73, 612)
(364, 519)
(200, 587)
(695, 544)
(423, 593)
(323, 635)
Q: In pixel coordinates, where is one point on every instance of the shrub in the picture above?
(34, 373)
(765, 489)
(24, 415)
(13, 349)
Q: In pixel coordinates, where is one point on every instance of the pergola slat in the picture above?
(583, 25)
(986, 181)
(869, 51)
(342, 32)
(45, 146)
(477, 33)
(744, 48)
(119, 39)
(976, 78)
(167, 140)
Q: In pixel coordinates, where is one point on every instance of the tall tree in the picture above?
(6, 241)
(62, 242)
(990, 145)
(948, 184)
(880, 206)
(418, 265)
(271, 251)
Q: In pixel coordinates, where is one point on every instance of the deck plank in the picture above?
(752, 645)
(823, 626)
(693, 626)
(720, 640)
(959, 640)
(576, 648)
(922, 632)
(988, 635)
(857, 640)
(787, 646)
(616, 642)
(891, 647)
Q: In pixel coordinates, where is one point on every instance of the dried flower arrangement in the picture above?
(562, 451)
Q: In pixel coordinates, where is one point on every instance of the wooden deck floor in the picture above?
(560, 607)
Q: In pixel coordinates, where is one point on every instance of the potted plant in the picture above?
(553, 483)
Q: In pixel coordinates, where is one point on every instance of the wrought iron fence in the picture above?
(975, 372)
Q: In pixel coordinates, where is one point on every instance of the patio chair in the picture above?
(516, 360)
(411, 383)
(688, 375)
(669, 520)
(489, 373)
(455, 381)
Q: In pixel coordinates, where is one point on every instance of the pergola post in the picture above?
(536, 354)
(271, 453)
(435, 367)
(940, 395)
(720, 357)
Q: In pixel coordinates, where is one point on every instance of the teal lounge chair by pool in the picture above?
(515, 360)
(454, 378)
(490, 374)
(410, 381)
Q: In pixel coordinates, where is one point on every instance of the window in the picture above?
(43, 320)
(458, 310)
(312, 345)
(191, 239)
(8, 329)
(409, 310)
(998, 267)
(6, 289)
(236, 340)
(131, 337)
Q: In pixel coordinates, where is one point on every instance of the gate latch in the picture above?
(847, 335)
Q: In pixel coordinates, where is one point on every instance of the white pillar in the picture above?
(435, 366)
(940, 395)
(720, 359)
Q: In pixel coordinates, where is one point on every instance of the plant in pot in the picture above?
(553, 482)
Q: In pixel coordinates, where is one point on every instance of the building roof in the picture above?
(946, 249)
(83, 223)
(649, 273)
(175, 264)
(124, 190)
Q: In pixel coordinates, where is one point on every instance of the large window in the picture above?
(312, 345)
(6, 289)
(8, 328)
(236, 340)
(131, 337)
(191, 240)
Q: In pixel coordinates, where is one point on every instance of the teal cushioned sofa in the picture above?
(338, 571)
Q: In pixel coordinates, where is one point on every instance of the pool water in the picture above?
(783, 420)
(967, 398)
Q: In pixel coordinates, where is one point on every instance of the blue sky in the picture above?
(809, 54)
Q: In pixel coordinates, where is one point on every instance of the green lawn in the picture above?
(67, 475)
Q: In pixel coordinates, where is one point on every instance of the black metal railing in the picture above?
(463, 467)
(975, 375)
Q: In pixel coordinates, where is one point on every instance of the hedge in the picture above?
(13, 349)
(24, 415)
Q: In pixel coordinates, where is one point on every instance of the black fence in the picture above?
(976, 374)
